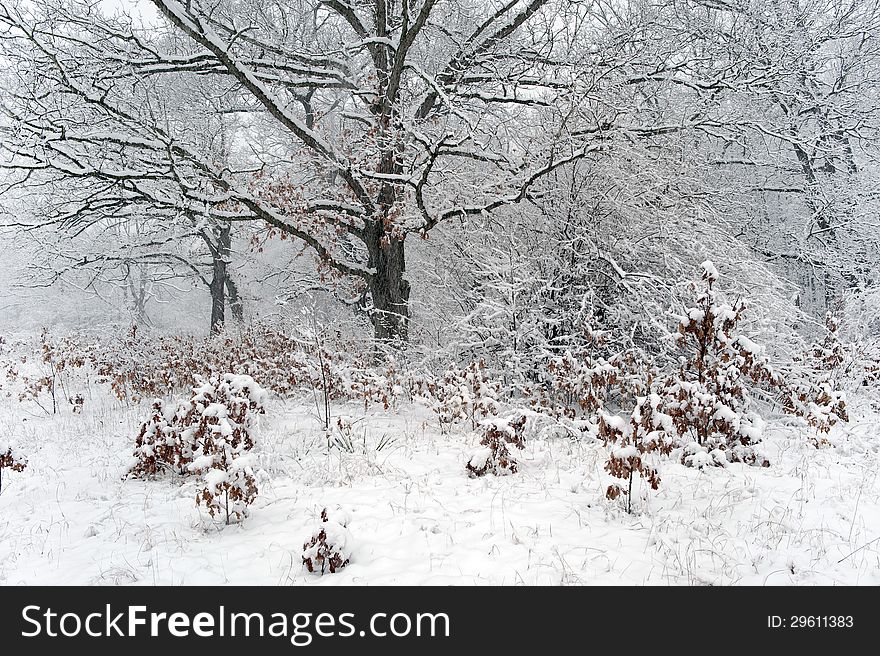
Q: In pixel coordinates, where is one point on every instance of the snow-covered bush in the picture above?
(860, 326)
(44, 378)
(648, 431)
(813, 390)
(575, 383)
(708, 398)
(703, 411)
(579, 382)
(330, 546)
(830, 353)
(143, 364)
(871, 371)
(159, 448)
(210, 435)
(385, 386)
(218, 423)
(461, 395)
(494, 456)
(10, 458)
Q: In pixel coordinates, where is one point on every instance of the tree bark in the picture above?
(220, 275)
(388, 287)
(233, 300)
(218, 296)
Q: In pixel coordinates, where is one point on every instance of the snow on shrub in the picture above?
(708, 400)
(494, 456)
(159, 447)
(385, 387)
(45, 380)
(218, 423)
(814, 394)
(330, 546)
(647, 431)
(577, 383)
(702, 413)
(10, 458)
(461, 395)
(210, 435)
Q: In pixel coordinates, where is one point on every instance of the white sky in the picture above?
(143, 9)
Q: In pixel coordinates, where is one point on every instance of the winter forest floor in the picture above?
(813, 517)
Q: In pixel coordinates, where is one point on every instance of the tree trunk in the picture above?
(388, 288)
(220, 276)
(137, 288)
(218, 295)
(233, 300)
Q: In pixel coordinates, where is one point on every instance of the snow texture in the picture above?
(69, 518)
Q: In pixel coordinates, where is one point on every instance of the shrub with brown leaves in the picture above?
(330, 546)
(45, 380)
(577, 383)
(494, 456)
(814, 394)
(648, 431)
(10, 458)
(707, 400)
(218, 422)
(159, 447)
(467, 394)
(209, 435)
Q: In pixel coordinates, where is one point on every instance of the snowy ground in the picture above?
(69, 518)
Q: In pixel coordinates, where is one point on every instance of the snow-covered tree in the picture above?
(708, 397)
(218, 423)
(210, 435)
(395, 116)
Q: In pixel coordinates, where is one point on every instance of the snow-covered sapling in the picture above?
(12, 459)
(330, 546)
(494, 456)
(815, 394)
(708, 398)
(576, 383)
(210, 435)
(50, 386)
(218, 424)
(648, 431)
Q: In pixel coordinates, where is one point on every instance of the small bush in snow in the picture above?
(159, 447)
(703, 412)
(329, 548)
(871, 372)
(707, 399)
(218, 423)
(385, 387)
(815, 394)
(578, 382)
(648, 431)
(10, 459)
(462, 395)
(47, 383)
(210, 435)
(494, 455)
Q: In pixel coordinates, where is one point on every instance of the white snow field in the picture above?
(416, 518)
